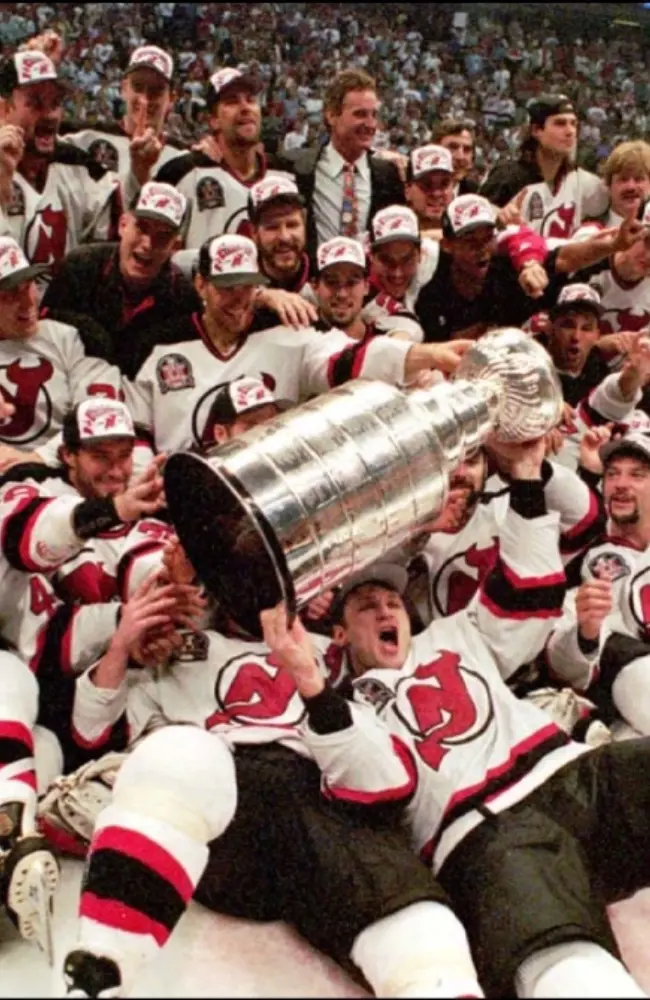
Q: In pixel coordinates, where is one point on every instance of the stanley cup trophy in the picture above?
(294, 507)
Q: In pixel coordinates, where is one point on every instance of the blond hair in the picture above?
(628, 158)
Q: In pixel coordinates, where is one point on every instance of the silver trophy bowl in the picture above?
(292, 508)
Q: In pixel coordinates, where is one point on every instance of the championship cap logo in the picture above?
(104, 419)
(33, 67)
(578, 293)
(470, 211)
(164, 202)
(233, 254)
(428, 158)
(341, 251)
(249, 394)
(150, 56)
(395, 223)
(273, 186)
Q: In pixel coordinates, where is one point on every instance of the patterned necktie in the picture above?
(350, 208)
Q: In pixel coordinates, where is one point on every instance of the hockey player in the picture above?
(531, 833)
(45, 367)
(545, 189)
(601, 644)
(218, 193)
(430, 186)
(190, 358)
(223, 803)
(53, 197)
(130, 286)
(138, 144)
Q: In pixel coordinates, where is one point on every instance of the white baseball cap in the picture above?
(230, 77)
(467, 213)
(226, 403)
(275, 187)
(151, 57)
(634, 443)
(341, 250)
(15, 269)
(426, 159)
(578, 295)
(229, 261)
(97, 420)
(388, 575)
(394, 223)
(162, 203)
(27, 68)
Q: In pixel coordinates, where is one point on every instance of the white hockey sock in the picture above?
(576, 969)
(421, 951)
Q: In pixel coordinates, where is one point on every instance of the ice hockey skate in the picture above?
(29, 877)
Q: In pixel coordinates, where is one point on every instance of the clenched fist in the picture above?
(12, 147)
(593, 604)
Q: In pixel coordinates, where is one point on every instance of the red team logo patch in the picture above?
(26, 388)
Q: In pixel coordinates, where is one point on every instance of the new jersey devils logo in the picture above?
(443, 705)
(250, 691)
(25, 387)
(559, 224)
(459, 578)
(627, 320)
(47, 236)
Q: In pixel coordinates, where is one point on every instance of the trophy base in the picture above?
(228, 541)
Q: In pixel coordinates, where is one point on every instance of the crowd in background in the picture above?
(427, 68)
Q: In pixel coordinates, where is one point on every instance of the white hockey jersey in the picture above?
(558, 214)
(604, 405)
(80, 203)
(217, 200)
(108, 145)
(44, 377)
(458, 563)
(171, 395)
(627, 308)
(226, 686)
(458, 737)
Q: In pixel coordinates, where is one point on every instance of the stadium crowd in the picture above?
(437, 771)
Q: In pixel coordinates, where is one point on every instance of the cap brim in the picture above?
(243, 82)
(154, 69)
(145, 213)
(67, 86)
(622, 446)
(577, 306)
(238, 280)
(403, 237)
(106, 437)
(472, 226)
(26, 274)
(436, 170)
(293, 200)
(384, 575)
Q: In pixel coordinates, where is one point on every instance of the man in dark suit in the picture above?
(344, 183)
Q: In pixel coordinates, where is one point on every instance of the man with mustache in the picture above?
(53, 197)
(602, 644)
(217, 192)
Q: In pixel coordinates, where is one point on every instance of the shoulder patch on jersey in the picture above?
(70, 155)
(609, 566)
(195, 648)
(17, 204)
(209, 195)
(374, 692)
(174, 373)
(536, 208)
(104, 152)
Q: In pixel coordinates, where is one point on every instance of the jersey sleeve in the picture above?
(566, 658)
(521, 599)
(36, 532)
(332, 359)
(141, 555)
(522, 244)
(606, 403)
(91, 376)
(96, 712)
(139, 396)
(582, 515)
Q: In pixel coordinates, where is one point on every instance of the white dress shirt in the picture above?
(328, 194)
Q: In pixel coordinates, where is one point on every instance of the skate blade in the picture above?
(31, 894)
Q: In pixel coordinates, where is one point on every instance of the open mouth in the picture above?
(389, 638)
